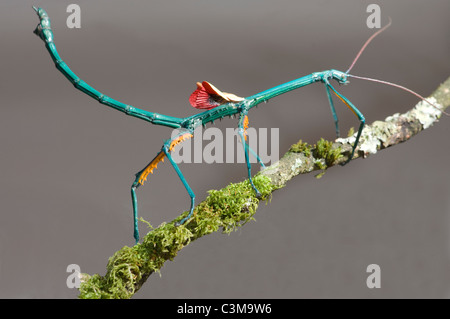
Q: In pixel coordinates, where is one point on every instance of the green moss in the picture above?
(324, 150)
(228, 208)
(301, 147)
(320, 164)
(321, 150)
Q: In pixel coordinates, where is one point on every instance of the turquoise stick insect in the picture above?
(217, 105)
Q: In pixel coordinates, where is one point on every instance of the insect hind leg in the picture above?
(167, 148)
(141, 177)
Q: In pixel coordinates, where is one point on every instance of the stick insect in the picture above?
(216, 105)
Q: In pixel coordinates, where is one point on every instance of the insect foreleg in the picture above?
(355, 111)
(333, 111)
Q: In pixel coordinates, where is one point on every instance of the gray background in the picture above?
(67, 162)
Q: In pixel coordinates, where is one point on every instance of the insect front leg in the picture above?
(333, 111)
(355, 111)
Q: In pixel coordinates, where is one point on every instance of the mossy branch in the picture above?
(233, 206)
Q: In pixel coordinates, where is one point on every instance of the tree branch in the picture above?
(233, 206)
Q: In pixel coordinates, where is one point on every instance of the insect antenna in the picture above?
(367, 43)
(386, 82)
(400, 87)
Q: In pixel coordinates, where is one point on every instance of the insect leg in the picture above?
(242, 127)
(355, 111)
(141, 177)
(255, 155)
(167, 148)
(333, 111)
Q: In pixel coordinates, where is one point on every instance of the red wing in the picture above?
(201, 99)
(207, 96)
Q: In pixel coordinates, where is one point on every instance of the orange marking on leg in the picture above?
(245, 125)
(160, 158)
(343, 101)
(150, 167)
(179, 139)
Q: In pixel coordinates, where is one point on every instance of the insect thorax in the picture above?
(327, 75)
